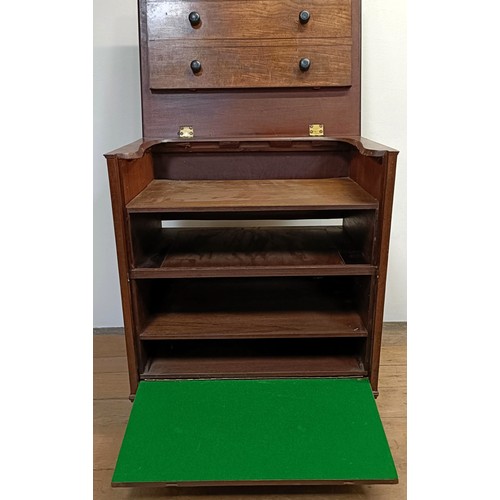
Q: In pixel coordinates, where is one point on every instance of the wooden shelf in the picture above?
(252, 308)
(256, 359)
(220, 252)
(251, 195)
(254, 367)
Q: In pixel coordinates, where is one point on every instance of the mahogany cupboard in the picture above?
(252, 229)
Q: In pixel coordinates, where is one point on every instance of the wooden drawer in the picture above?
(249, 19)
(242, 65)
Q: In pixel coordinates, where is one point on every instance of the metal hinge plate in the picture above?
(316, 130)
(186, 132)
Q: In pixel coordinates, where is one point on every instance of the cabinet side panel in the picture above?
(360, 227)
(376, 175)
(369, 173)
(385, 216)
(119, 221)
(136, 175)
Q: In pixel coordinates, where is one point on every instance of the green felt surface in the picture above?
(254, 430)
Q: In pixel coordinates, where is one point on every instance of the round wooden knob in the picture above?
(194, 18)
(304, 17)
(195, 66)
(304, 64)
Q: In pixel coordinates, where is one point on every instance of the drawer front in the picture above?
(248, 19)
(244, 66)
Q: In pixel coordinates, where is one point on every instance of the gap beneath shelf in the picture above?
(249, 251)
(256, 358)
(251, 308)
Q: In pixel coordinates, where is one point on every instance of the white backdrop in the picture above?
(117, 121)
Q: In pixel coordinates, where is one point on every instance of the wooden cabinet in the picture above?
(273, 250)
(249, 250)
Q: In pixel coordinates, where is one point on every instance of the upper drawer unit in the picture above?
(229, 19)
(211, 44)
(281, 65)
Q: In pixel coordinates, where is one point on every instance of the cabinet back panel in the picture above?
(252, 113)
(245, 165)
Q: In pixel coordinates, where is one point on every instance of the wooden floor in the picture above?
(112, 408)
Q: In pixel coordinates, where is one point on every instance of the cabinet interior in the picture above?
(199, 327)
(253, 258)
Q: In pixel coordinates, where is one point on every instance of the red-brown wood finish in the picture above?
(248, 308)
(126, 180)
(349, 178)
(287, 295)
(251, 158)
(251, 195)
(231, 110)
(121, 239)
(265, 144)
(249, 20)
(248, 251)
(254, 367)
(245, 66)
(384, 230)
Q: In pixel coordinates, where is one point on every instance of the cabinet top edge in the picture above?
(138, 148)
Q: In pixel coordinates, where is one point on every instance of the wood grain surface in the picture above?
(257, 19)
(238, 112)
(231, 112)
(250, 307)
(118, 202)
(255, 367)
(248, 251)
(241, 324)
(261, 195)
(241, 65)
(136, 175)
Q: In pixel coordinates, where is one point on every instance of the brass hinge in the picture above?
(186, 132)
(316, 130)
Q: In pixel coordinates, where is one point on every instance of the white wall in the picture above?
(117, 121)
(383, 119)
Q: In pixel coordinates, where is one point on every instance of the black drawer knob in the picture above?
(194, 18)
(304, 64)
(304, 17)
(195, 66)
